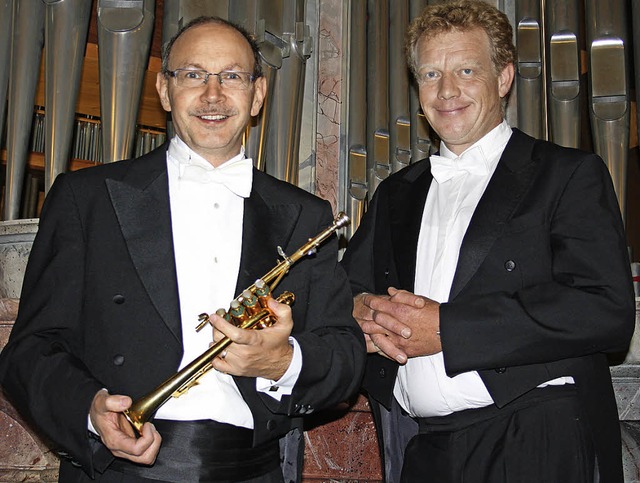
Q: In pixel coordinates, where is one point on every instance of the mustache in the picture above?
(218, 111)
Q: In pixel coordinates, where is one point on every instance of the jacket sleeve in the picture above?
(359, 258)
(331, 342)
(41, 368)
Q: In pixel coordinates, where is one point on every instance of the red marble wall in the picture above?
(344, 449)
(23, 455)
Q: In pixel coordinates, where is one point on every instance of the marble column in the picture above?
(329, 98)
(16, 238)
(626, 385)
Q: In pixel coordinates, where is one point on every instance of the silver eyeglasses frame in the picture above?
(223, 78)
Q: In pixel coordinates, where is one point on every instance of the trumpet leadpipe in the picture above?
(271, 279)
(307, 249)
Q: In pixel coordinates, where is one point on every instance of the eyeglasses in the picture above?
(229, 79)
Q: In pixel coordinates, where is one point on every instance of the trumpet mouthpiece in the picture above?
(342, 220)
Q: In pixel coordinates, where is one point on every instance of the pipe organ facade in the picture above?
(573, 76)
(575, 84)
(573, 59)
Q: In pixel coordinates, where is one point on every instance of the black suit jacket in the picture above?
(99, 306)
(542, 288)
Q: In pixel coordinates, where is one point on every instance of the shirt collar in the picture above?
(489, 148)
(236, 174)
(182, 155)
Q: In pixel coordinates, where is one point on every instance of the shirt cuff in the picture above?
(89, 423)
(284, 386)
(90, 426)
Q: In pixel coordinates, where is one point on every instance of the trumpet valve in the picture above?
(250, 302)
(286, 298)
(238, 313)
(224, 314)
(263, 293)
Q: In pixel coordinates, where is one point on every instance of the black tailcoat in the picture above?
(542, 288)
(100, 308)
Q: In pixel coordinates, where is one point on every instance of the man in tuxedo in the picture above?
(126, 257)
(491, 281)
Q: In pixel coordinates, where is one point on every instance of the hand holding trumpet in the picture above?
(253, 355)
(256, 353)
(117, 434)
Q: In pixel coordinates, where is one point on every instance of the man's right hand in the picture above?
(117, 434)
(399, 325)
(364, 316)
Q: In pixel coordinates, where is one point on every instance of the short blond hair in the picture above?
(463, 15)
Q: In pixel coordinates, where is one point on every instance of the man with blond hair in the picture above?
(491, 282)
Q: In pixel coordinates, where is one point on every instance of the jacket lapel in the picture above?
(407, 198)
(503, 194)
(141, 203)
(266, 226)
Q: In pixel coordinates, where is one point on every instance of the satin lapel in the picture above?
(141, 203)
(407, 197)
(508, 184)
(266, 226)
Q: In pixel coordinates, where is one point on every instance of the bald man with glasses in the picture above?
(129, 254)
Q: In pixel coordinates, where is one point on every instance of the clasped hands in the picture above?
(254, 353)
(399, 325)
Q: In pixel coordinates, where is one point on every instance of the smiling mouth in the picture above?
(451, 110)
(213, 117)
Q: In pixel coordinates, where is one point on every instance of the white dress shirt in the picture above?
(422, 387)
(206, 219)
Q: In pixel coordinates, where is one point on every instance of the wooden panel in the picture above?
(151, 112)
(35, 162)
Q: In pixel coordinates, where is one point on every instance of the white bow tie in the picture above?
(236, 175)
(443, 169)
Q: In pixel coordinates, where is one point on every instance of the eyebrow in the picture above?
(456, 63)
(195, 65)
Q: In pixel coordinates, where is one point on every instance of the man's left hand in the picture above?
(263, 353)
(408, 325)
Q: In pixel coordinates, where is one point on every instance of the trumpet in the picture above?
(248, 311)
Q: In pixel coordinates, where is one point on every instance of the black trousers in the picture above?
(539, 438)
(112, 476)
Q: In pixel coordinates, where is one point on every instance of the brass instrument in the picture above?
(249, 310)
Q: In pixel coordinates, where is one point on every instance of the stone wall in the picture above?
(23, 454)
(626, 384)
